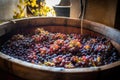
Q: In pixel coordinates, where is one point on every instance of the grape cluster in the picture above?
(61, 50)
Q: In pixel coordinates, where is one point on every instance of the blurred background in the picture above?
(102, 11)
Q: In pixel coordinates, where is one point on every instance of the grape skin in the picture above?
(61, 50)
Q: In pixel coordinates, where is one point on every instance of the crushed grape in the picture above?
(61, 50)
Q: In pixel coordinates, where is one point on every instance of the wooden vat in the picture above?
(66, 25)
